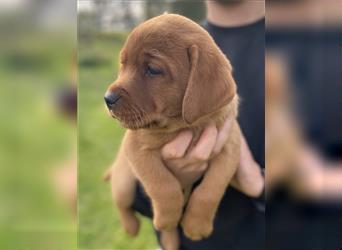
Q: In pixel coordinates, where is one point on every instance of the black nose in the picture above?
(111, 98)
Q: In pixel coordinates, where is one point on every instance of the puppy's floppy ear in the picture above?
(210, 85)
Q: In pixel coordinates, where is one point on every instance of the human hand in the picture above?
(188, 167)
(316, 177)
(248, 177)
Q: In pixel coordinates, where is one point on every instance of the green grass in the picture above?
(99, 138)
(34, 141)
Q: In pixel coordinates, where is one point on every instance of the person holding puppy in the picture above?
(238, 29)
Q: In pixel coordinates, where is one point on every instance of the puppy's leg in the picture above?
(170, 239)
(198, 219)
(123, 184)
(160, 185)
(163, 189)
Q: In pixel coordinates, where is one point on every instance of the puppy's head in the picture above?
(171, 69)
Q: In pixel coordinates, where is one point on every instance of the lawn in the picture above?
(99, 137)
(34, 142)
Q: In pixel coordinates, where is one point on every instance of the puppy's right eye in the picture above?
(153, 71)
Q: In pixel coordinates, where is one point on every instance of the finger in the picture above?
(177, 164)
(222, 136)
(178, 146)
(196, 168)
(245, 153)
(181, 165)
(205, 145)
(248, 177)
(203, 167)
(191, 174)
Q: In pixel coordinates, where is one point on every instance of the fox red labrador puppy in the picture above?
(172, 77)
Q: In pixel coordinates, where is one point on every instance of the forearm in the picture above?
(248, 177)
(249, 180)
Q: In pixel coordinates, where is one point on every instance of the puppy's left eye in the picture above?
(153, 71)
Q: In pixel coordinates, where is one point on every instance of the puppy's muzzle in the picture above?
(111, 98)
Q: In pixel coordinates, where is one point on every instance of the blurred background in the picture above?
(303, 124)
(38, 136)
(102, 29)
(38, 127)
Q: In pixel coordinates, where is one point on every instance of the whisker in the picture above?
(139, 115)
(136, 119)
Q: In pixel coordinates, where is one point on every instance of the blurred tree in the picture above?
(154, 8)
(118, 15)
(101, 7)
(194, 10)
(127, 15)
(87, 24)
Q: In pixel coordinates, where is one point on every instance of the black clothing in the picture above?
(244, 47)
(314, 58)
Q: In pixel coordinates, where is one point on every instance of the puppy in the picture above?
(172, 77)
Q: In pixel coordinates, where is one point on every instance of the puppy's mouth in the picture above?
(135, 120)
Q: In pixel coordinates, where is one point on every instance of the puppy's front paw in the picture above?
(196, 228)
